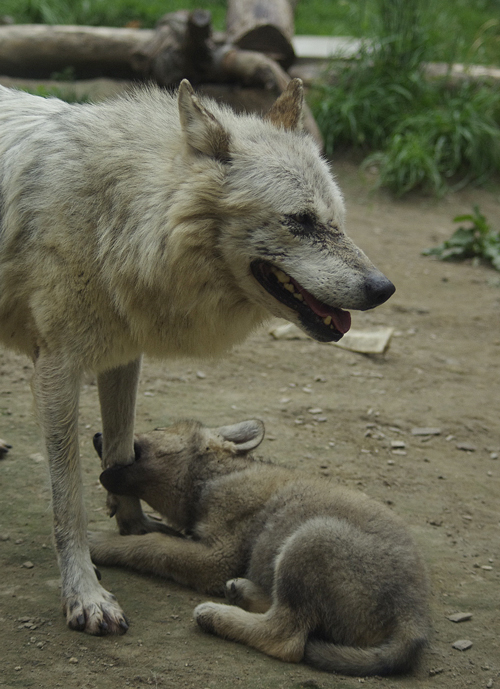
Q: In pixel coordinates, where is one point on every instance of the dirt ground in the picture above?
(442, 371)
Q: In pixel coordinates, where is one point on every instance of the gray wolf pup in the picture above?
(158, 224)
(328, 575)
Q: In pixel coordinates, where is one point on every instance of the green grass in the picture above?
(458, 30)
(105, 12)
(432, 135)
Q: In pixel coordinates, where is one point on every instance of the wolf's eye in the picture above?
(306, 221)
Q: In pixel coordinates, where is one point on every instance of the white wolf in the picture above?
(161, 225)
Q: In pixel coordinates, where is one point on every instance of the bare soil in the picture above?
(442, 371)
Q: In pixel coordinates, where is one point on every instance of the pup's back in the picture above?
(349, 571)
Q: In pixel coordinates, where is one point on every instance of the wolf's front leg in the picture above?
(190, 563)
(87, 605)
(117, 396)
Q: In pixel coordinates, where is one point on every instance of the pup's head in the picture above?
(167, 458)
(282, 227)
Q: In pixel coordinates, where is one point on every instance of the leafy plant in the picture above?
(477, 240)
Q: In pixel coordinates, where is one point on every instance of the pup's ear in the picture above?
(202, 130)
(117, 480)
(246, 435)
(288, 110)
(97, 441)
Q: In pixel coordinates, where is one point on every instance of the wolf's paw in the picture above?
(98, 614)
(205, 615)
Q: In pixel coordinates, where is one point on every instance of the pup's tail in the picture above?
(397, 655)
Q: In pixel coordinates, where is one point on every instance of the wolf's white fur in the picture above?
(129, 227)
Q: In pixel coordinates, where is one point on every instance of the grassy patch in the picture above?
(478, 241)
(433, 135)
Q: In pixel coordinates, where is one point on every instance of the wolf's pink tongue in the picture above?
(341, 319)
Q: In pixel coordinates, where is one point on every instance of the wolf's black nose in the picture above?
(378, 289)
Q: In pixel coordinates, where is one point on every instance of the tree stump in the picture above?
(265, 26)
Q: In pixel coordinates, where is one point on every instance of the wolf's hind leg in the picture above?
(276, 633)
(247, 595)
(117, 396)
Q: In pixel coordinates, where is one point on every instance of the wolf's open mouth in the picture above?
(323, 322)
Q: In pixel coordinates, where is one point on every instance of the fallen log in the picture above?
(39, 50)
(265, 26)
(182, 46)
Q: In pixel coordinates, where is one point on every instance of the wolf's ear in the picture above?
(202, 131)
(288, 110)
(246, 435)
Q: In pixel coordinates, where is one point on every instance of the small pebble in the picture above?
(460, 616)
(462, 644)
(488, 568)
(315, 410)
(28, 564)
(73, 660)
(398, 444)
(426, 431)
(466, 447)
(200, 374)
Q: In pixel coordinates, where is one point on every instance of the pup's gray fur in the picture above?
(159, 225)
(329, 575)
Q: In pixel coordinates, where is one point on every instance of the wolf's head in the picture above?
(282, 232)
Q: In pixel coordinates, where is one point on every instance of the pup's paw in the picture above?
(205, 615)
(97, 614)
(4, 448)
(143, 525)
(234, 591)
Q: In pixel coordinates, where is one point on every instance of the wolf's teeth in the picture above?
(282, 277)
(289, 286)
(298, 296)
(327, 320)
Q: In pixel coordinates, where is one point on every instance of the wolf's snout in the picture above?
(378, 289)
